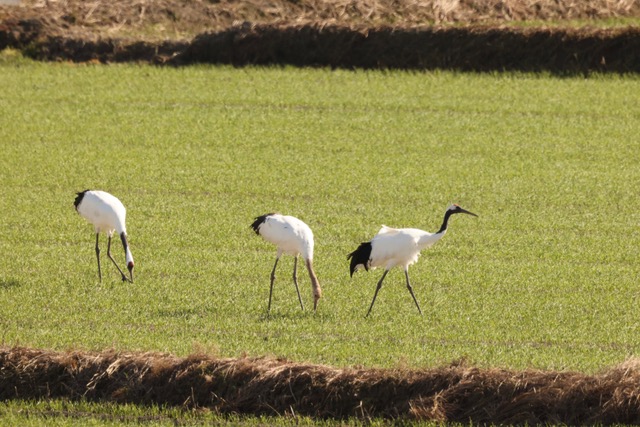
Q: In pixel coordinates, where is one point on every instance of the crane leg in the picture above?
(124, 278)
(406, 273)
(98, 256)
(377, 289)
(295, 280)
(273, 278)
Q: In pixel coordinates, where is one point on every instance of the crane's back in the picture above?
(289, 234)
(399, 246)
(103, 210)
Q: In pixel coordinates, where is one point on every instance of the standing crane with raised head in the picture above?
(393, 247)
(292, 237)
(107, 214)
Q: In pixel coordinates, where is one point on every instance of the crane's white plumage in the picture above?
(104, 211)
(107, 214)
(291, 237)
(289, 234)
(398, 247)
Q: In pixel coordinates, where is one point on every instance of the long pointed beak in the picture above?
(467, 212)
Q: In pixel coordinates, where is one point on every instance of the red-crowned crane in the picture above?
(292, 237)
(107, 214)
(393, 247)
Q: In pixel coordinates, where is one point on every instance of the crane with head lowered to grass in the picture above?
(292, 237)
(107, 214)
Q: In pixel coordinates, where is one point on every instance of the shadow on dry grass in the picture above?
(455, 393)
(454, 35)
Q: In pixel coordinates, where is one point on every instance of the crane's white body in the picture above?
(393, 247)
(107, 214)
(291, 237)
(105, 211)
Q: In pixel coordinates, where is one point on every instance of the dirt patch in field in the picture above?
(264, 386)
(406, 34)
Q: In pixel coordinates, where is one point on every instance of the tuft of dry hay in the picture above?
(455, 393)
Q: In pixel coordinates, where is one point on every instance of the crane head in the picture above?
(455, 209)
(128, 256)
(316, 298)
(130, 268)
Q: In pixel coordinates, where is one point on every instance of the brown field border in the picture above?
(265, 386)
(557, 36)
(477, 49)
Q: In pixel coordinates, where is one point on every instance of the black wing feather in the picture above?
(361, 255)
(79, 197)
(258, 221)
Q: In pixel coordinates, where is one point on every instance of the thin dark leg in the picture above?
(377, 289)
(124, 278)
(98, 256)
(406, 273)
(295, 280)
(273, 278)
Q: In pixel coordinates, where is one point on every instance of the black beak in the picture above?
(130, 268)
(467, 212)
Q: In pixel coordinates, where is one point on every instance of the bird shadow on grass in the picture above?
(271, 317)
(9, 283)
(287, 315)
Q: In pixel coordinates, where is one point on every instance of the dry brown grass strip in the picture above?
(183, 19)
(454, 393)
(393, 34)
(477, 49)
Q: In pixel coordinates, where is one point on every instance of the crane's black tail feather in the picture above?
(258, 221)
(79, 197)
(360, 256)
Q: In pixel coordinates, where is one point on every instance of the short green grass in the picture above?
(64, 413)
(546, 277)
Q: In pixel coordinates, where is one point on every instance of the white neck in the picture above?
(429, 239)
(128, 255)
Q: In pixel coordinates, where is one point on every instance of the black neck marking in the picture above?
(123, 237)
(445, 222)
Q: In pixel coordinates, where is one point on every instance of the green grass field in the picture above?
(70, 414)
(546, 277)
